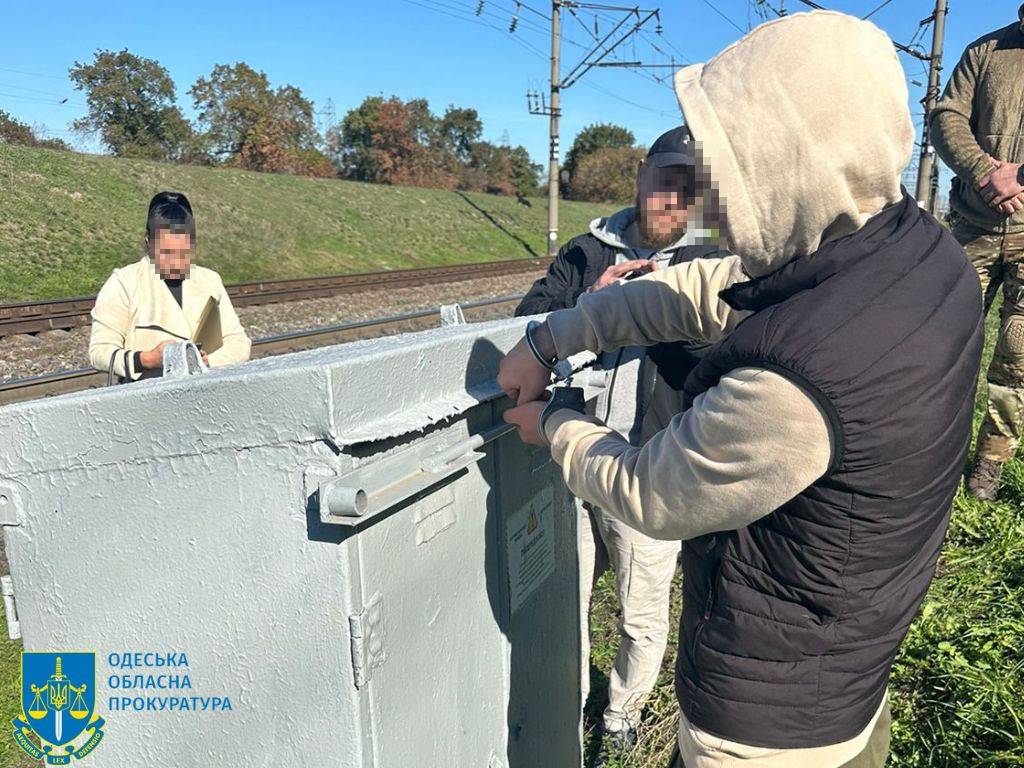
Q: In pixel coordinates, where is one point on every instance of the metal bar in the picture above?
(373, 489)
(460, 449)
(598, 46)
(571, 80)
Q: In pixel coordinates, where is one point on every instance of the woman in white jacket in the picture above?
(161, 299)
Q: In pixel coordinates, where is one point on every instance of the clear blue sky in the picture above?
(437, 49)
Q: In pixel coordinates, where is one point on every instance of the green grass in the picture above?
(68, 219)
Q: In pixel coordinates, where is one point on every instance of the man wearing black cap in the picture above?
(663, 228)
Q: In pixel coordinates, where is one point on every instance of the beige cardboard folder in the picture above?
(208, 335)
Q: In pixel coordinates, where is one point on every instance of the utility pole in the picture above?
(925, 196)
(594, 57)
(556, 85)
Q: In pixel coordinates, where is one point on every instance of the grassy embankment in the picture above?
(67, 219)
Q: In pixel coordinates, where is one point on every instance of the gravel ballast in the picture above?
(24, 355)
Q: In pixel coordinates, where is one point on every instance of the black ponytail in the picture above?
(171, 211)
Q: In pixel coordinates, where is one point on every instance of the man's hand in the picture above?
(154, 358)
(616, 272)
(1012, 205)
(1002, 185)
(526, 417)
(520, 375)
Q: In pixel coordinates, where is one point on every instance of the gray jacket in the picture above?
(638, 401)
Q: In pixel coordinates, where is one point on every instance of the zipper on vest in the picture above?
(705, 617)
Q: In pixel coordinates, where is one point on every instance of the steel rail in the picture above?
(65, 314)
(61, 382)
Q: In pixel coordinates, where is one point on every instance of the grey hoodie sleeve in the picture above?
(680, 302)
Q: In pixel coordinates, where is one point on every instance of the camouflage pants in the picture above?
(999, 260)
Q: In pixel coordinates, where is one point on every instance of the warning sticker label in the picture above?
(531, 546)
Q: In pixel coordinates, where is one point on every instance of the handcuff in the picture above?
(563, 394)
(530, 327)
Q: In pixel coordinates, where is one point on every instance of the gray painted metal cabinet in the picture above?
(192, 516)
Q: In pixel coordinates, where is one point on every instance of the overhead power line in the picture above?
(628, 23)
(445, 10)
(33, 74)
(721, 13)
(467, 13)
(60, 103)
(599, 55)
(872, 13)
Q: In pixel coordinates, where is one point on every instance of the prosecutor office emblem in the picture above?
(58, 696)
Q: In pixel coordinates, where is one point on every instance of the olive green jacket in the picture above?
(980, 117)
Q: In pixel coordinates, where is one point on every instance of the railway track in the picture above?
(60, 382)
(65, 314)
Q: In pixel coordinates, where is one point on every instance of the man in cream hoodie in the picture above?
(663, 228)
(812, 473)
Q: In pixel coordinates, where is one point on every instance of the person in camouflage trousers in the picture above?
(978, 130)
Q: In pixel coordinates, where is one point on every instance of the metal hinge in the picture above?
(10, 502)
(10, 609)
(367, 632)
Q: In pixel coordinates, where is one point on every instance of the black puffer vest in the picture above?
(790, 625)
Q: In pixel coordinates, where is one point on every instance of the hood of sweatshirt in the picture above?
(615, 231)
(803, 128)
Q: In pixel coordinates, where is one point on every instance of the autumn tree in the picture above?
(403, 152)
(500, 170)
(587, 142)
(131, 104)
(608, 175)
(248, 124)
(488, 169)
(390, 141)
